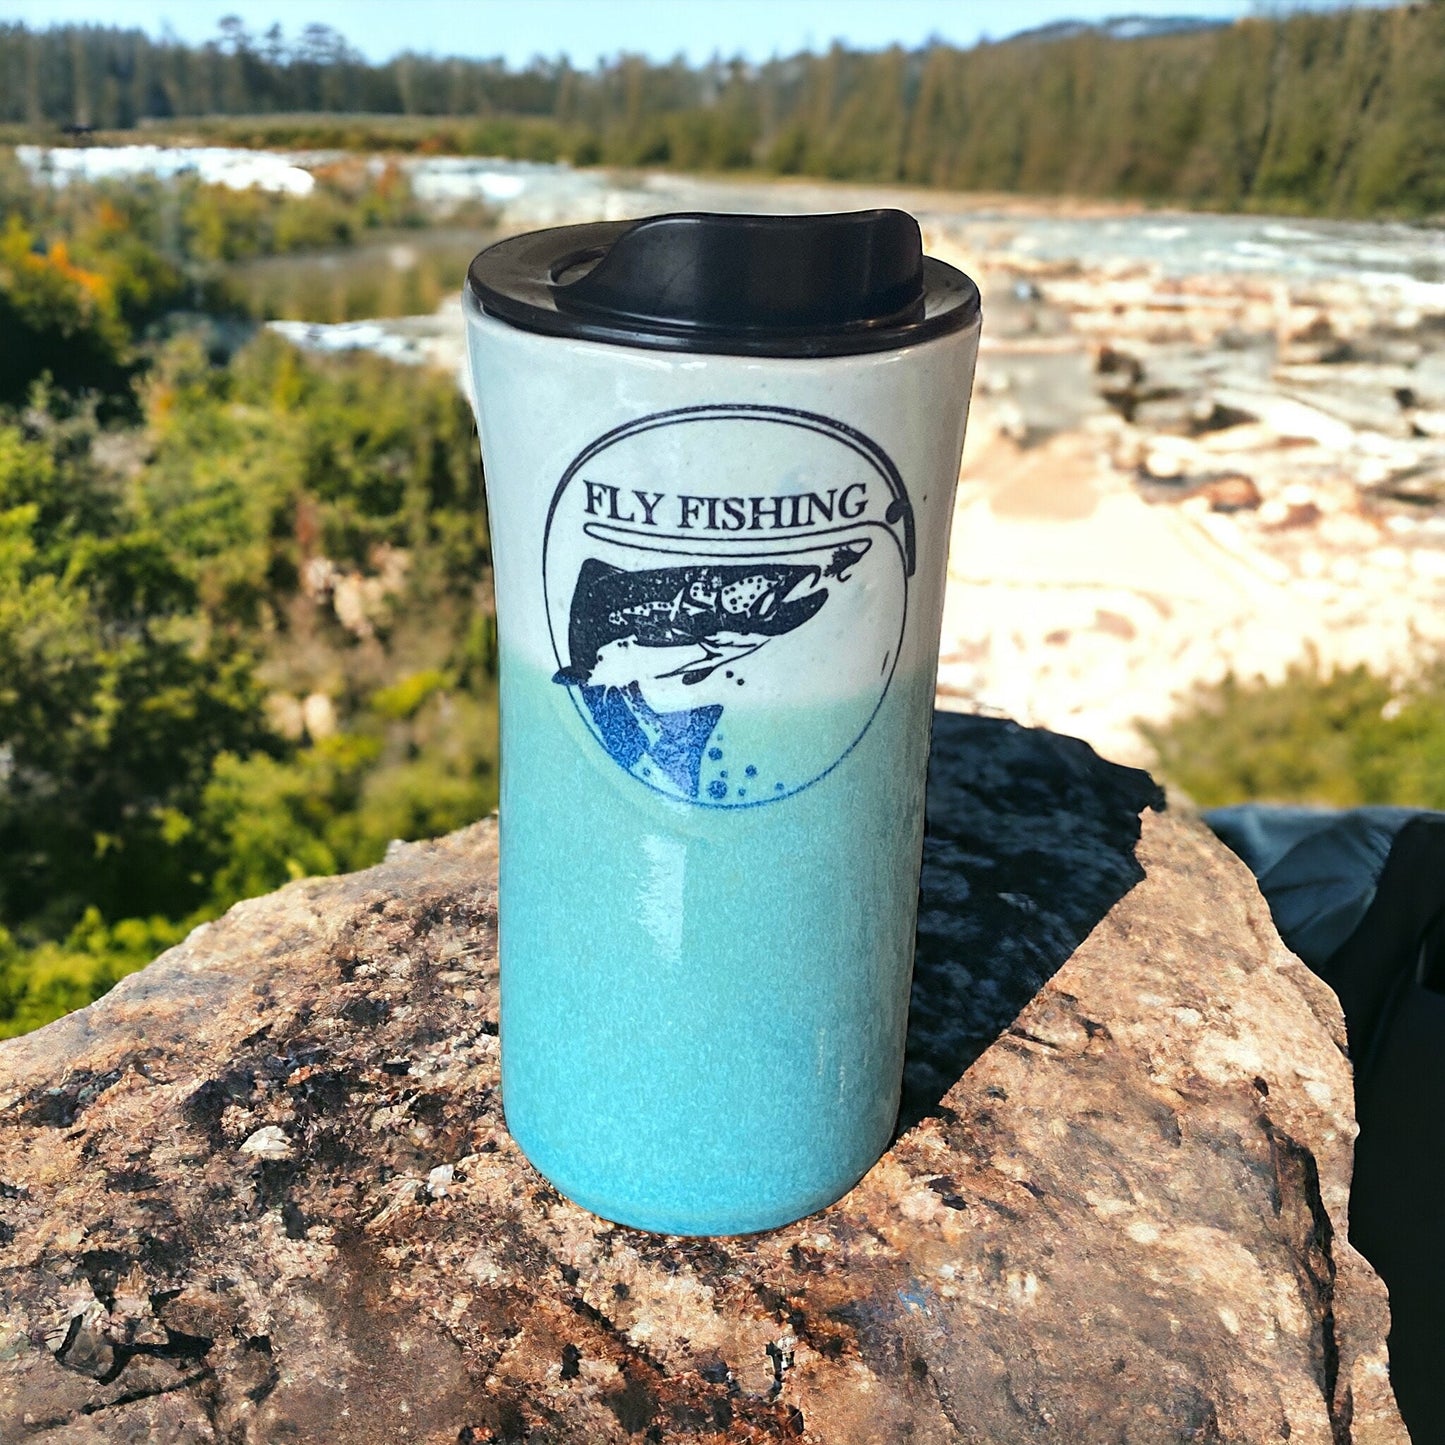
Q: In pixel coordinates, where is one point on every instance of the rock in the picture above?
(268, 1143)
(318, 713)
(286, 715)
(353, 598)
(1117, 1211)
(1287, 417)
(1186, 470)
(1125, 372)
(1367, 398)
(1278, 515)
(1165, 410)
(1248, 437)
(1211, 416)
(1170, 458)
(1309, 337)
(1418, 486)
(1041, 388)
(1427, 381)
(318, 577)
(1232, 492)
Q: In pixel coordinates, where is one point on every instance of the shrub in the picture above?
(56, 317)
(1343, 738)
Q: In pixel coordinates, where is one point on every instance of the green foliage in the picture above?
(279, 821)
(56, 317)
(404, 699)
(244, 629)
(217, 223)
(115, 695)
(335, 805)
(39, 984)
(1342, 739)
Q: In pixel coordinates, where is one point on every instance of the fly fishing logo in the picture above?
(726, 594)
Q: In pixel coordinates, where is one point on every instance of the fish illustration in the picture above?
(681, 622)
(640, 644)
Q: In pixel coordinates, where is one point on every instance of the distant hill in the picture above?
(1121, 27)
(1322, 111)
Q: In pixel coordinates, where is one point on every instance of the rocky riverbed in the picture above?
(1174, 476)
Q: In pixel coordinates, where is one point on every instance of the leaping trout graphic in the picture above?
(640, 644)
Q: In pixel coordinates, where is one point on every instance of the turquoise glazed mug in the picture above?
(720, 455)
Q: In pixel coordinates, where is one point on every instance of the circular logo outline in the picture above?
(899, 509)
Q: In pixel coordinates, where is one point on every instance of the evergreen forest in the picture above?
(1331, 112)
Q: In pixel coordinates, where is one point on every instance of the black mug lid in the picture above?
(828, 285)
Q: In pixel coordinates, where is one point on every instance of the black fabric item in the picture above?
(1317, 867)
(1390, 978)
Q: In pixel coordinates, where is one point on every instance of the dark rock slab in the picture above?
(262, 1192)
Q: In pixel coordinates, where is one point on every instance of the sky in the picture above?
(586, 30)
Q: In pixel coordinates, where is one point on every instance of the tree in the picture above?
(115, 697)
(56, 318)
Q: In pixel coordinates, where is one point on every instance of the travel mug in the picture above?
(720, 456)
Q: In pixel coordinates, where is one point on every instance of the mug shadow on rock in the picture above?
(1030, 841)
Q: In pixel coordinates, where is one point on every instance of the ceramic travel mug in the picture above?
(720, 457)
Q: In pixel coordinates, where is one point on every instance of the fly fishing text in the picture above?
(725, 514)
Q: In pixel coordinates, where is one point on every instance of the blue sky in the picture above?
(587, 29)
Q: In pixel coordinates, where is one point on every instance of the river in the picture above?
(1407, 257)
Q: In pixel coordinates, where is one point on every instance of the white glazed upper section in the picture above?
(543, 402)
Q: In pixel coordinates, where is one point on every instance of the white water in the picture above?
(216, 165)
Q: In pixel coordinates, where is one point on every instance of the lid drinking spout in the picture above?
(812, 285)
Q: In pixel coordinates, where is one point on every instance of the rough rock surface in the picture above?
(263, 1192)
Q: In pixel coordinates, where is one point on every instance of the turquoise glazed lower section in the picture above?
(704, 1009)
